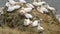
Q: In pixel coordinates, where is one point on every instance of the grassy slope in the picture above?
(49, 22)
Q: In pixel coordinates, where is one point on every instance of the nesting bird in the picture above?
(12, 2)
(35, 23)
(12, 8)
(11, 5)
(28, 8)
(27, 22)
(7, 4)
(38, 3)
(51, 8)
(35, 3)
(42, 9)
(16, 7)
(22, 12)
(29, 5)
(40, 28)
(22, 1)
(29, 16)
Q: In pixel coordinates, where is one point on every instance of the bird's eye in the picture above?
(43, 4)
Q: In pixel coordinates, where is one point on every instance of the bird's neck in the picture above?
(37, 0)
(29, 7)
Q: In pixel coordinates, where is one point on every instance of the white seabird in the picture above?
(42, 9)
(27, 22)
(12, 2)
(28, 9)
(22, 12)
(38, 3)
(22, 1)
(40, 28)
(29, 5)
(16, 7)
(35, 23)
(29, 16)
(51, 8)
(10, 9)
(7, 4)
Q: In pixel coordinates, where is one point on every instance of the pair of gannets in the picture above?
(27, 22)
(38, 3)
(28, 8)
(12, 8)
(51, 8)
(13, 2)
(24, 11)
(39, 27)
(27, 15)
(42, 9)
